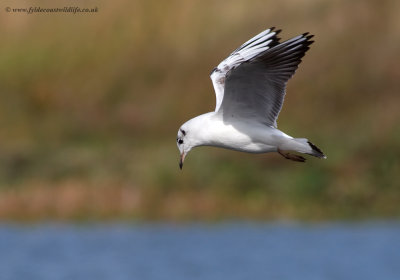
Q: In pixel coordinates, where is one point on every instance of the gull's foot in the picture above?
(291, 156)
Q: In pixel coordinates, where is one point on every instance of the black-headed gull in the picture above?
(250, 87)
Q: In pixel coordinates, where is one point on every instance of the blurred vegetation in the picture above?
(90, 105)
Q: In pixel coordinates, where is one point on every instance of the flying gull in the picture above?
(250, 86)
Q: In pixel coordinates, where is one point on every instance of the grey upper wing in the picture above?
(255, 89)
(253, 47)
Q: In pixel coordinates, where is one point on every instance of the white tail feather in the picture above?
(302, 145)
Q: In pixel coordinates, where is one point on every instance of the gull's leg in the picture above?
(291, 156)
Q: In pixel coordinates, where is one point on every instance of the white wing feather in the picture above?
(248, 50)
(250, 83)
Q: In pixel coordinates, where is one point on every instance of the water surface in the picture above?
(201, 251)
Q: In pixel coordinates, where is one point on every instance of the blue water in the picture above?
(200, 251)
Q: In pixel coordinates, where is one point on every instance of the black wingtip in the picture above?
(277, 31)
(308, 37)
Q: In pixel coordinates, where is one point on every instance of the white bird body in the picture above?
(244, 136)
(250, 85)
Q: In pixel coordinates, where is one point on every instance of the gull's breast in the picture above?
(244, 137)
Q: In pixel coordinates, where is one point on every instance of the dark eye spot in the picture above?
(180, 141)
(183, 132)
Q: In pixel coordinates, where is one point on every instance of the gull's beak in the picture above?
(181, 160)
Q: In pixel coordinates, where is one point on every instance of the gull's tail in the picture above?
(301, 145)
(315, 151)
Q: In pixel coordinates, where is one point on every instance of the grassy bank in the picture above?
(90, 106)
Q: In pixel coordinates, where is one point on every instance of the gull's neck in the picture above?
(204, 128)
(210, 130)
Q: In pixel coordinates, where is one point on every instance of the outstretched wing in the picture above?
(251, 82)
(245, 52)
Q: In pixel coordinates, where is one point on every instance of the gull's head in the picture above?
(192, 134)
(184, 143)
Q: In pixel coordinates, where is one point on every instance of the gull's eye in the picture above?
(180, 141)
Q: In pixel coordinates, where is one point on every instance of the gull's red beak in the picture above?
(181, 160)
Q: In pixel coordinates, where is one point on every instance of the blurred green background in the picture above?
(90, 105)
